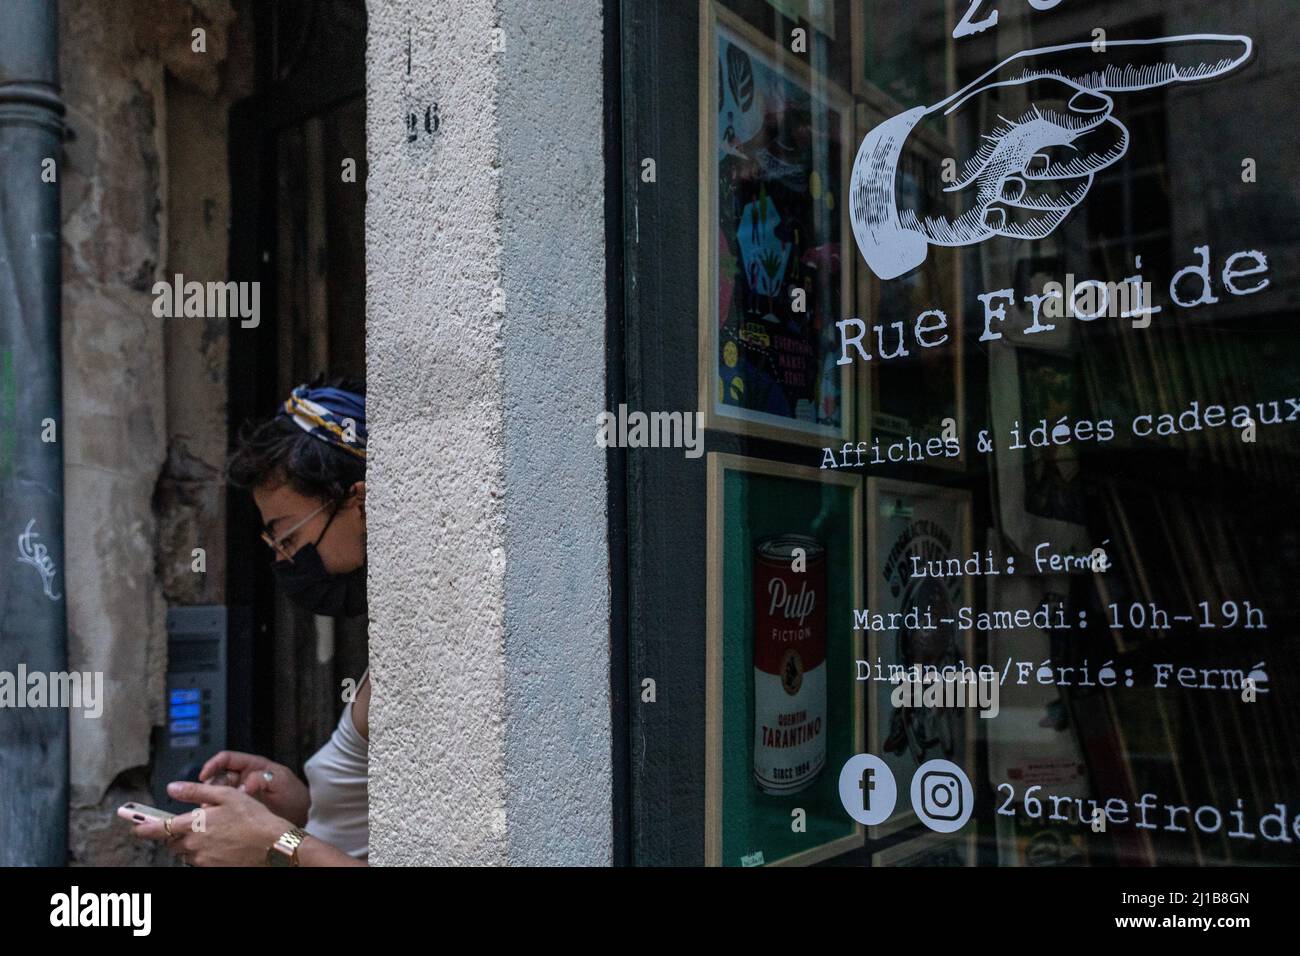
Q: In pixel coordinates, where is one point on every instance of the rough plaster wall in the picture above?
(114, 420)
(557, 554)
(190, 500)
(143, 180)
(489, 622)
(435, 471)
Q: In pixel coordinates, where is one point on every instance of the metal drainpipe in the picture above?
(33, 592)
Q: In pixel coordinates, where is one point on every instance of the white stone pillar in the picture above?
(488, 554)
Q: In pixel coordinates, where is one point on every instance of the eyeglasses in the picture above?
(277, 544)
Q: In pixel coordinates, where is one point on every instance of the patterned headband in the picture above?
(330, 414)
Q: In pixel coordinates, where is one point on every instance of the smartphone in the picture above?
(139, 813)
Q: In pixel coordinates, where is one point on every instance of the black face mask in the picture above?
(309, 585)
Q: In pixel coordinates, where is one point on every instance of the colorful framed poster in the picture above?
(784, 709)
(776, 250)
(913, 394)
(905, 519)
(932, 849)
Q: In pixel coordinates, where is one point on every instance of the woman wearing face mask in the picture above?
(306, 469)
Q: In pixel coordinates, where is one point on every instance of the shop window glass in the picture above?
(1066, 241)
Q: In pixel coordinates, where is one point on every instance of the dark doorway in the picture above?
(298, 176)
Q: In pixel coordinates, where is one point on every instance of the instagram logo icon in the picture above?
(942, 795)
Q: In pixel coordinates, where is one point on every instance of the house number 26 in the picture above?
(970, 25)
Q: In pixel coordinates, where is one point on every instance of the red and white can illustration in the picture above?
(789, 663)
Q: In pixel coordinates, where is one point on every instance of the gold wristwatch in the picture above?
(284, 852)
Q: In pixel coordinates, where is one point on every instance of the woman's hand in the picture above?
(229, 829)
(284, 794)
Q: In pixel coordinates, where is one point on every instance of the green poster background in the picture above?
(756, 506)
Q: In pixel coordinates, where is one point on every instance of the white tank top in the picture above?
(337, 775)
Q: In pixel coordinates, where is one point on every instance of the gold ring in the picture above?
(167, 825)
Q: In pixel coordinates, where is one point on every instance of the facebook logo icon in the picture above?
(867, 789)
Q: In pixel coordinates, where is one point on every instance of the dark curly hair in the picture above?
(276, 452)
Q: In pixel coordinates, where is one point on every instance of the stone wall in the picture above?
(145, 194)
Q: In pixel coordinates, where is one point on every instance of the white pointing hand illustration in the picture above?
(1030, 171)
